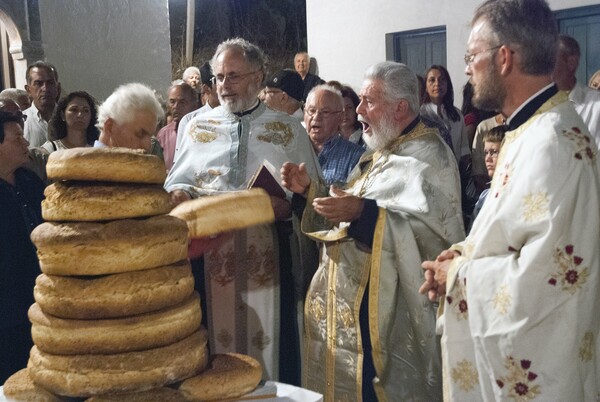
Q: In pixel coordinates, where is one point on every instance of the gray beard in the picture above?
(243, 103)
(489, 94)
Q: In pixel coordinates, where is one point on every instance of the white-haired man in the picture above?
(368, 333)
(521, 293)
(128, 117)
(220, 151)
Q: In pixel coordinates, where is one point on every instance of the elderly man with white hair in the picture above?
(128, 117)
(246, 281)
(191, 76)
(369, 334)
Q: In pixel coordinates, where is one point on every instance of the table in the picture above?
(285, 392)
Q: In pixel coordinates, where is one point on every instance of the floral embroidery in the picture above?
(502, 300)
(203, 136)
(261, 267)
(583, 144)
(519, 380)
(459, 303)
(586, 350)
(570, 275)
(260, 340)
(535, 207)
(221, 266)
(224, 338)
(504, 176)
(465, 375)
(208, 177)
(278, 133)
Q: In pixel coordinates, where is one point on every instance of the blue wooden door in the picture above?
(420, 49)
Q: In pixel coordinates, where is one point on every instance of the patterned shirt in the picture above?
(337, 159)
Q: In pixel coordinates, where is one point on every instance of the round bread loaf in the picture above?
(61, 336)
(88, 375)
(163, 394)
(122, 165)
(86, 248)
(230, 375)
(20, 387)
(214, 214)
(88, 201)
(116, 295)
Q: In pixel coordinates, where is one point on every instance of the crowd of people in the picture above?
(380, 187)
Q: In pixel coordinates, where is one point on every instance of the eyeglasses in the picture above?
(325, 114)
(470, 57)
(232, 78)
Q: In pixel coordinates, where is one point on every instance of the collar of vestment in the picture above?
(530, 106)
(249, 111)
(558, 98)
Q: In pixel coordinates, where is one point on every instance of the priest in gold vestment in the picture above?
(368, 333)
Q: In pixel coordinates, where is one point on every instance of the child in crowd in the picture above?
(492, 141)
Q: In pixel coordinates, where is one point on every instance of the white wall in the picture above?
(96, 45)
(347, 36)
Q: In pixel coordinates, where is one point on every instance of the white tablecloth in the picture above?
(285, 392)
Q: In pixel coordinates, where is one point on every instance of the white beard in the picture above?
(381, 136)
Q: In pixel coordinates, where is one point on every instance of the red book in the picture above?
(265, 179)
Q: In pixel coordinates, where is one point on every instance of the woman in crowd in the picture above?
(73, 123)
(351, 129)
(21, 194)
(439, 104)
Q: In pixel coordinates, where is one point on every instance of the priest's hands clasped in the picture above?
(436, 274)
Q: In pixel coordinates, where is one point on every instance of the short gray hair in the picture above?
(189, 71)
(12, 93)
(329, 88)
(399, 82)
(526, 25)
(252, 53)
(122, 104)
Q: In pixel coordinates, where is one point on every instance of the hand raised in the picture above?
(341, 207)
(295, 177)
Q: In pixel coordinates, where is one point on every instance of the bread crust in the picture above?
(86, 248)
(115, 295)
(20, 387)
(163, 394)
(90, 201)
(230, 375)
(88, 375)
(118, 335)
(121, 165)
(214, 214)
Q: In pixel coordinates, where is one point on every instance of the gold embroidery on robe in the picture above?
(465, 375)
(535, 207)
(586, 350)
(518, 382)
(502, 300)
(260, 340)
(278, 133)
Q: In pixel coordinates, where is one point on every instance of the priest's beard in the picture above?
(243, 102)
(489, 94)
(382, 135)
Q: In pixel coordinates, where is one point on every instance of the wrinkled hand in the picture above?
(341, 207)
(200, 245)
(436, 273)
(177, 197)
(281, 207)
(295, 177)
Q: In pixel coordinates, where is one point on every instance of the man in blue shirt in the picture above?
(322, 117)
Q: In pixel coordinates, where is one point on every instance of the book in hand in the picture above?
(264, 178)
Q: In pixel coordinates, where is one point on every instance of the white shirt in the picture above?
(587, 105)
(36, 128)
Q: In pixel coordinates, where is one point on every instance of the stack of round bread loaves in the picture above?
(116, 316)
(115, 305)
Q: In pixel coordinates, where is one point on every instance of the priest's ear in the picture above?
(401, 109)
